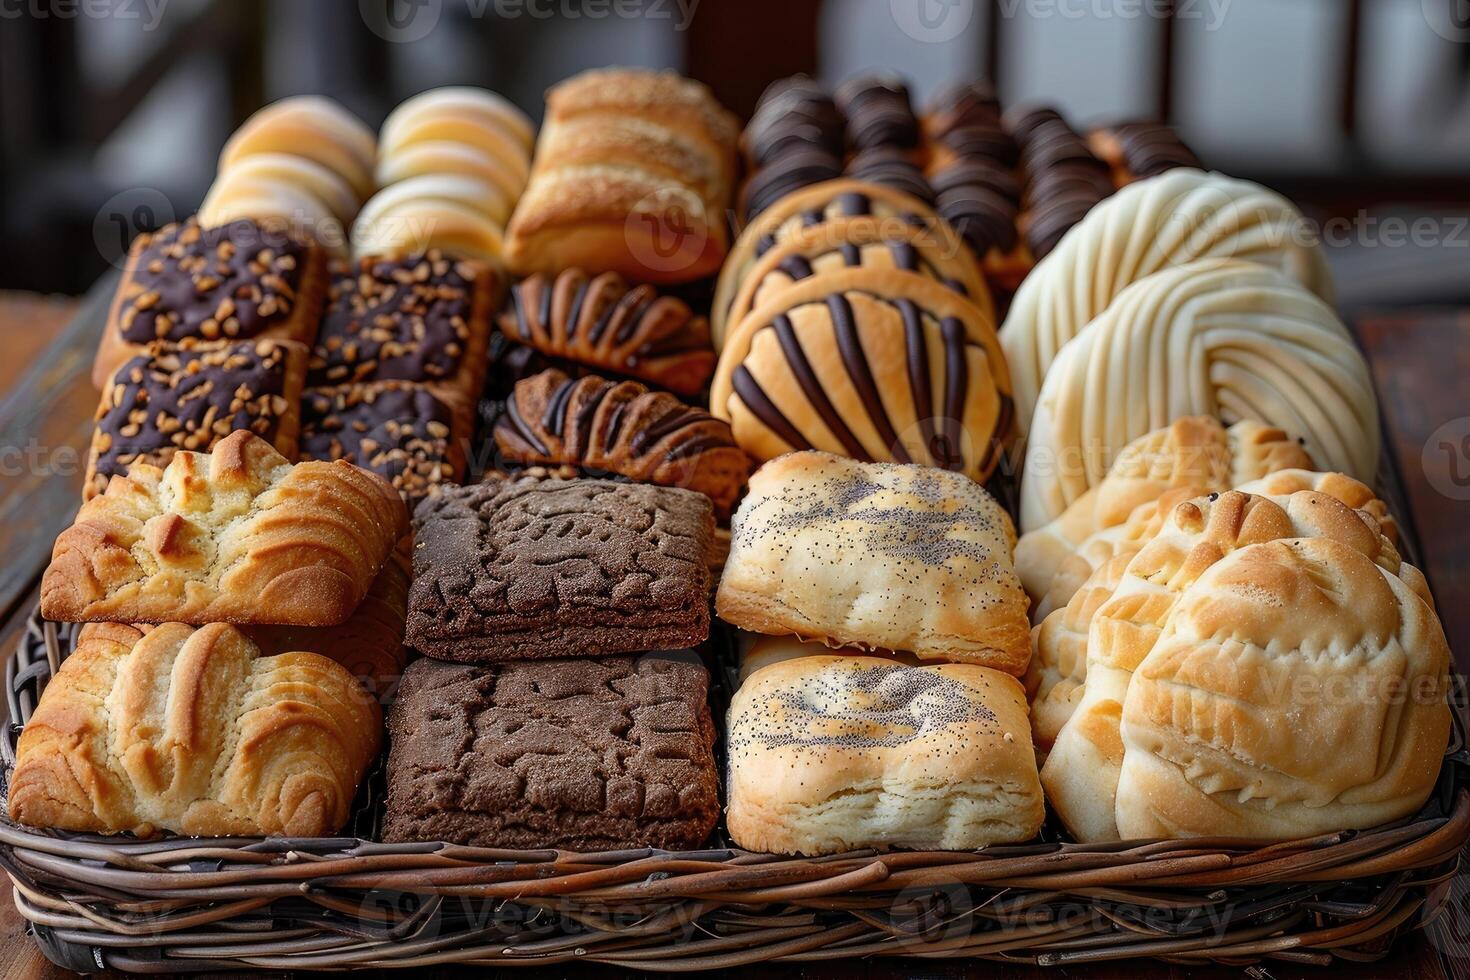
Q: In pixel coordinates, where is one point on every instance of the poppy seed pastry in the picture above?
(193, 731)
(1081, 772)
(1220, 337)
(1297, 689)
(809, 208)
(876, 555)
(1194, 452)
(168, 399)
(522, 569)
(187, 285)
(1179, 217)
(606, 324)
(240, 535)
(593, 754)
(876, 364)
(603, 426)
(866, 242)
(831, 754)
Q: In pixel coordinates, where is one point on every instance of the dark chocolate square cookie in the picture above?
(398, 430)
(588, 755)
(559, 568)
(168, 399)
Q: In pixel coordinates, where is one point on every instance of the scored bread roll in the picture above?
(1225, 338)
(876, 555)
(831, 754)
(451, 213)
(313, 127)
(877, 364)
(278, 207)
(289, 170)
(1081, 772)
(1297, 689)
(1179, 217)
(444, 158)
(1195, 453)
(472, 106)
(193, 731)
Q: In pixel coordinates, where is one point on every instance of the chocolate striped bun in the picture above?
(621, 427)
(934, 252)
(608, 325)
(814, 205)
(875, 364)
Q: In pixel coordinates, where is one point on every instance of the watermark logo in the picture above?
(1446, 459)
(126, 215)
(401, 21)
(1450, 19)
(666, 236)
(932, 21)
(406, 21)
(147, 12)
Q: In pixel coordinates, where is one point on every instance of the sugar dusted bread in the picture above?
(192, 731)
(1299, 688)
(876, 555)
(239, 535)
(830, 754)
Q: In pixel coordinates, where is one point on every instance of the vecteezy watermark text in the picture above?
(406, 21)
(149, 12)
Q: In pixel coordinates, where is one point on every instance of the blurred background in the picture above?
(112, 111)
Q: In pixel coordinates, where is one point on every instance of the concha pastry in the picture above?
(1089, 576)
(933, 252)
(1220, 337)
(1195, 453)
(809, 207)
(1179, 217)
(602, 426)
(603, 322)
(1081, 773)
(1298, 689)
(874, 364)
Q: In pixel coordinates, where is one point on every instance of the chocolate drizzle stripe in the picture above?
(750, 392)
(574, 315)
(905, 256)
(548, 288)
(614, 425)
(806, 378)
(851, 254)
(796, 266)
(518, 302)
(844, 328)
(697, 445)
(917, 350)
(555, 417)
(513, 415)
(600, 327)
(629, 326)
(854, 202)
(956, 385)
(651, 435)
(587, 415)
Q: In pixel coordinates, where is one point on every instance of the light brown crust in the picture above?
(193, 731)
(239, 535)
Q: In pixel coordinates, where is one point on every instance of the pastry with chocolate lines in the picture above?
(933, 252)
(794, 169)
(891, 167)
(1064, 179)
(878, 112)
(604, 323)
(875, 364)
(792, 112)
(1139, 149)
(188, 285)
(814, 205)
(605, 427)
(961, 104)
(167, 399)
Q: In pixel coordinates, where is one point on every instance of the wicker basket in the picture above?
(183, 905)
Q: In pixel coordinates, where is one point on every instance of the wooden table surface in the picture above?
(1420, 360)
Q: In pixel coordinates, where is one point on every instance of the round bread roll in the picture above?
(468, 129)
(452, 213)
(313, 127)
(1297, 689)
(933, 252)
(482, 106)
(1058, 668)
(1195, 453)
(1165, 221)
(829, 754)
(1220, 337)
(1081, 772)
(289, 170)
(278, 207)
(449, 159)
(875, 364)
(811, 206)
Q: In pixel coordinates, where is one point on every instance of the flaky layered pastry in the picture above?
(239, 535)
(1081, 772)
(193, 731)
(831, 754)
(1221, 337)
(876, 555)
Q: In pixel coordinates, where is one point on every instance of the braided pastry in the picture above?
(1219, 337)
(1149, 225)
(606, 324)
(621, 427)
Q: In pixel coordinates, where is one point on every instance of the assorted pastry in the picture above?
(455, 415)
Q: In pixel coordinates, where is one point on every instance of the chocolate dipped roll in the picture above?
(602, 427)
(1137, 150)
(891, 167)
(792, 113)
(874, 364)
(879, 112)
